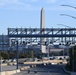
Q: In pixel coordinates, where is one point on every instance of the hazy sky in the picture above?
(26, 13)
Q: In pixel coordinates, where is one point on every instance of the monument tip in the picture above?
(42, 8)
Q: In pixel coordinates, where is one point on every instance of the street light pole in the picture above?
(47, 47)
(73, 45)
(48, 51)
(73, 58)
(67, 15)
(17, 53)
(64, 25)
(67, 46)
(69, 6)
(63, 47)
(0, 65)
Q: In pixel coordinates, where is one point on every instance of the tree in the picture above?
(0, 56)
(5, 55)
(70, 61)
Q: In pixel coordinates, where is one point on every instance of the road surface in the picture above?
(44, 70)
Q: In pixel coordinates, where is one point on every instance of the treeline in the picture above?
(12, 54)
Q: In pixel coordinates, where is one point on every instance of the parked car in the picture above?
(5, 61)
(60, 58)
(13, 60)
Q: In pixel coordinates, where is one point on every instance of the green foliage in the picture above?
(70, 63)
(5, 55)
(11, 54)
(22, 55)
(38, 55)
(0, 56)
(27, 54)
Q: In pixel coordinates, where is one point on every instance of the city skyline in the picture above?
(26, 14)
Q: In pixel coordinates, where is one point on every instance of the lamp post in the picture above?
(67, 15)
(61, 45)
(15, 43)
(1, 64)
(67, 45)
(73, 59)
(69, 6)
(71, 44)
(48, 46)
(64, 25)
(48, 51)
(17, 53)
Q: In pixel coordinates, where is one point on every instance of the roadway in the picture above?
(12, 67)
(44, 70)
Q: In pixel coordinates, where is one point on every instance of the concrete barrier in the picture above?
(48, 61)
(9, 64)
(12, 63)
(73, 73)
(2, 73)
(4, 64)
(9, 72)
(25, 68)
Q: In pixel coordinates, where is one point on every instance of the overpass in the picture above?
(55, 34)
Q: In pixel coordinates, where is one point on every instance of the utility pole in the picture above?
(0, 65)
(17, 53)
(73, 58)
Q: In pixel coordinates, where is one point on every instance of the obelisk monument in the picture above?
(42, 26)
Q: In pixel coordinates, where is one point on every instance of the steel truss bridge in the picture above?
(34, 34)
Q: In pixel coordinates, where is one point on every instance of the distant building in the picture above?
(56, 48)
(4, 42)
(5, 45)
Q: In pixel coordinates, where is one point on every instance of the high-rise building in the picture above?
(42, 26)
